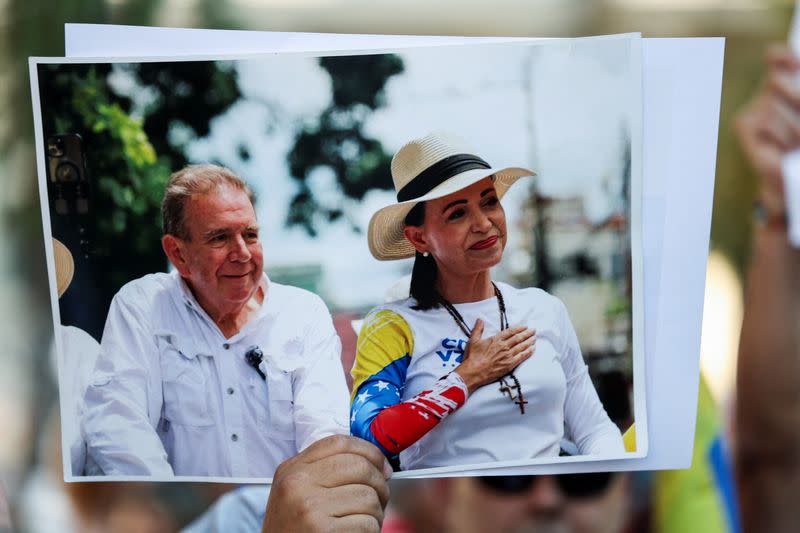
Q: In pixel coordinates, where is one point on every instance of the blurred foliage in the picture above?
(32, 28)
(36, 28)
(336, 140)
(127, 152)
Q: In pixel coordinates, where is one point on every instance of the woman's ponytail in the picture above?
(424, 272)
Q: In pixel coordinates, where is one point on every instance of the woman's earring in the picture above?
(425, 254)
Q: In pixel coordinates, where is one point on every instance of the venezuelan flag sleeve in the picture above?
(377, 412)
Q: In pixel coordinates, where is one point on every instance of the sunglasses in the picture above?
(575, 486)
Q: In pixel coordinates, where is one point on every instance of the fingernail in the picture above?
(387, 469)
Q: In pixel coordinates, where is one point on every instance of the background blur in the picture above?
(28, 443)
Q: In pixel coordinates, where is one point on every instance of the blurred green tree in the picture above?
(337, 141)
(131, 147)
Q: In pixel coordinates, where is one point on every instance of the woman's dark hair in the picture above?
(423, 275)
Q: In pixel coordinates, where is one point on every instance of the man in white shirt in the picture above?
(212, 370)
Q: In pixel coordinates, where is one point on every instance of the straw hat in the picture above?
(430, 167)
(65, 266)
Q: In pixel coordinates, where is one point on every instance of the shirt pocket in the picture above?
(184, 384)
(276, 404)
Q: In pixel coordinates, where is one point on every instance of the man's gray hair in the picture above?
(190, 181)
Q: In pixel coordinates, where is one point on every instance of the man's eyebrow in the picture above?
(451, 204)
(222, 231)
(487, 191)
(214, 232)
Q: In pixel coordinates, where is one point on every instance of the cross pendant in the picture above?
(521, 402)
(505, 388)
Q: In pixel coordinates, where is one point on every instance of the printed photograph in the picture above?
(436, 250)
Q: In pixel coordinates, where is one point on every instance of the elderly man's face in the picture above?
(222, 260)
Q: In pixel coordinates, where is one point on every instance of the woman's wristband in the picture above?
(455, 379)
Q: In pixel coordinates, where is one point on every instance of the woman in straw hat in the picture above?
(462, 346)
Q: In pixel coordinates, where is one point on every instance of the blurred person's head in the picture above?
(211, 236)
(577, 503)
(120, 507)
(133, 514)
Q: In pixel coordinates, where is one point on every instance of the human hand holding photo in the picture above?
(338, 483)
(486, 360)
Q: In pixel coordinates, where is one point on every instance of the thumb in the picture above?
(477, 331)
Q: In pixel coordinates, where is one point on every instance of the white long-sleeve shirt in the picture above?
(171, 395)
(419, 347)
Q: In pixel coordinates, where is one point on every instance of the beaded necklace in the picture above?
(512, 390)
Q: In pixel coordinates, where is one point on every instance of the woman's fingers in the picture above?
(524, 355)
(522, 346)
(477, 331)
(495, 356)
(504, 337)
(520, 337)
(510, 332)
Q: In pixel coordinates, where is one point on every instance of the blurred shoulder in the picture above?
(148, 290)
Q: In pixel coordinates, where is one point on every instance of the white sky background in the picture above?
(581, 91)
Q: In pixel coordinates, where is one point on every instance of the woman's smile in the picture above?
(485, 243)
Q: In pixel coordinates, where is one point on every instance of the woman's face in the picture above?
(465, 231)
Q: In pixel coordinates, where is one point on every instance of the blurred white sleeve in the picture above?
(239, 511)
(79, 353)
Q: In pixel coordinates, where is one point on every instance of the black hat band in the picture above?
(438, 173)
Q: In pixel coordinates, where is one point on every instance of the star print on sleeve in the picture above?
(396, 426)
(383, 355)
(361, 398)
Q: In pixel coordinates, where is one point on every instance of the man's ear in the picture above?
(173, 247)
(416, 237)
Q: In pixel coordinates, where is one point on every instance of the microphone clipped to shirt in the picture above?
(254, 356)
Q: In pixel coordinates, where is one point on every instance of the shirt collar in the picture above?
(183, 294)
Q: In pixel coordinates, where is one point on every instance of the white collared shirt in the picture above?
(171, 395)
